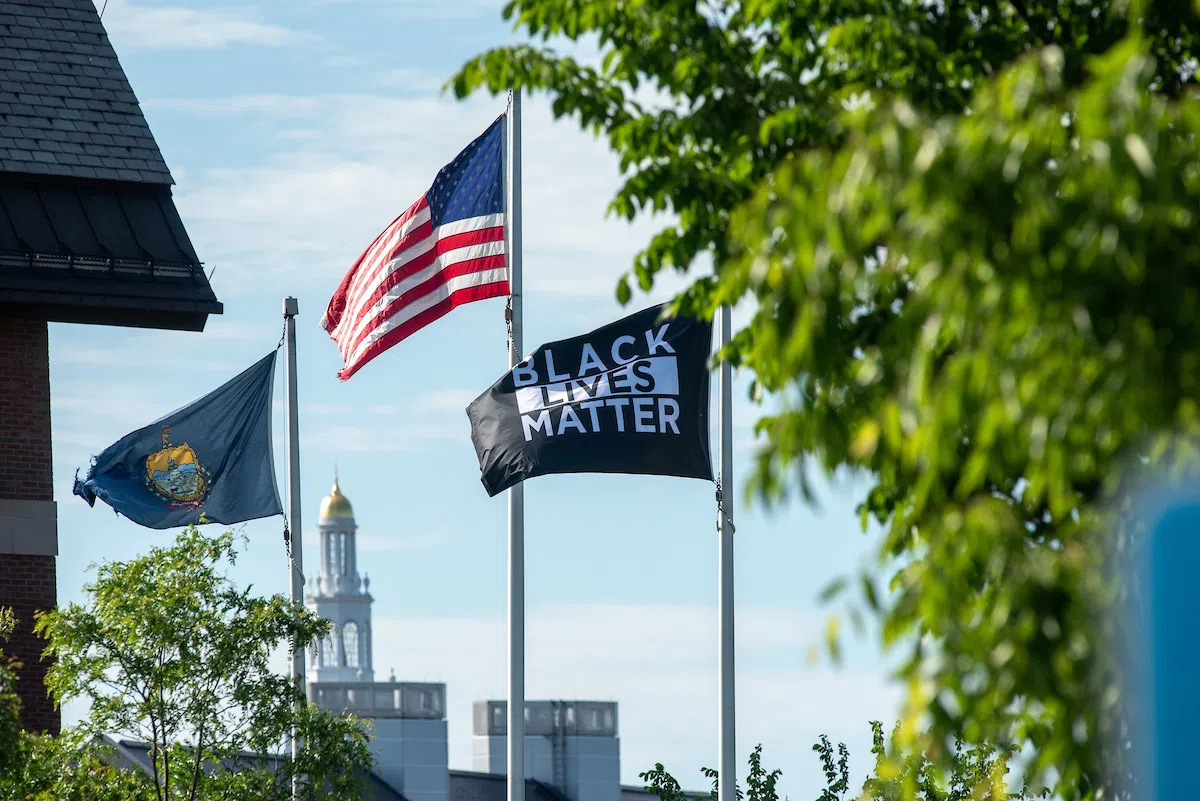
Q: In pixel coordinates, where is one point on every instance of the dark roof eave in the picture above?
(100, 253)
(63, 307)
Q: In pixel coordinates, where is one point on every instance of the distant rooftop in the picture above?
(469, 785)
(135, 755)
(66, 107)
(465, 785)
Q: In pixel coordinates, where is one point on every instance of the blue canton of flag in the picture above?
(445, 250)
(473, 184)
(210, 459)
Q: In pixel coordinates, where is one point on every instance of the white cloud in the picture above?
(228, 330)
(76, 344)
(409, 438)
(426, 540)
(429, 420)
(429, 9)
(345, 165)
(117, 402)
(410, 80)
(273, 106)
(376, 542)
(80, 353)
(342, 409)
(132, 25)
(447, 399)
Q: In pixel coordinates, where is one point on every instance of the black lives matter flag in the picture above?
(631, 397)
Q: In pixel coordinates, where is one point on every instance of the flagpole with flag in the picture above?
(458, 243)
(295, 540)
(726, 751)
(516, 494)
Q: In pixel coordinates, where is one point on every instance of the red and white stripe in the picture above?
(411, 275)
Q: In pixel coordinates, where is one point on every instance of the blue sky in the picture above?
(295, 132)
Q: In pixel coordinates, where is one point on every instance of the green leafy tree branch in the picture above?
(964, 230)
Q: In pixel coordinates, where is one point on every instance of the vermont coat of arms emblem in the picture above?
(175, 474)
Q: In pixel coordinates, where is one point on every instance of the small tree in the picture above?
(36, 767)
(976, 773)
(170, 651)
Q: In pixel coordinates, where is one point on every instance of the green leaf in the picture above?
(832, 590)
(948, 223)
(623, 293)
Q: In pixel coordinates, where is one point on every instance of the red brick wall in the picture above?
(25, 462)
(27, 583)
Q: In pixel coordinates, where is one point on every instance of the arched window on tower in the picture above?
(350, 641)
(329, 650)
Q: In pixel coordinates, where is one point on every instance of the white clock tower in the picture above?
(340, 596)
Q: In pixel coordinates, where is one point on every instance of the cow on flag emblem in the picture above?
(445, 250)
(631, 397)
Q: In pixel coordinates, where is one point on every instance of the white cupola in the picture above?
(339, 594)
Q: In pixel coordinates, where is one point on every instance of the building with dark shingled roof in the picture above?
(88, 230)
(88, 234)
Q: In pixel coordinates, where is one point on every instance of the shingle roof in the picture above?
(66, 107)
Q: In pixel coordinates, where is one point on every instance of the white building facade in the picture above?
(571, 746)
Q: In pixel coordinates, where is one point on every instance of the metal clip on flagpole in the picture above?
(727, 750)
(295, 542)
(516, 495)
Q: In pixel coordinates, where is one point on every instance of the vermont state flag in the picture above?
(210, 459)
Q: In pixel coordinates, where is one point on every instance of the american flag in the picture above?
(445, 250)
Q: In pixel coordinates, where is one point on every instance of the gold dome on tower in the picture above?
(336, 504)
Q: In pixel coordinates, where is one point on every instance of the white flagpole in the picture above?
(295, 543)
(727, 751)
(516, 495)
